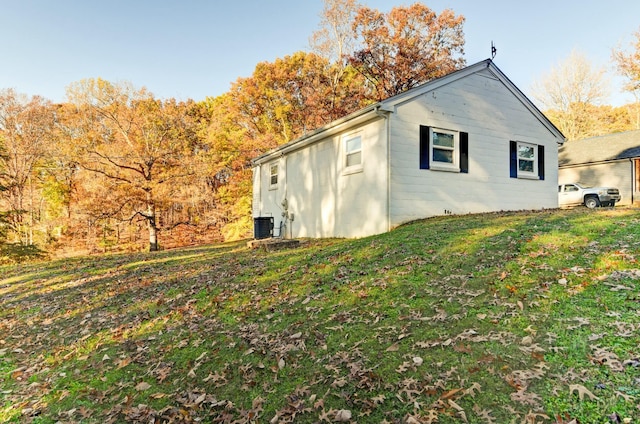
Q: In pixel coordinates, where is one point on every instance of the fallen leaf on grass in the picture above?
(343, 415)
(624, 396)
(526, 398)
(393, 348)
(200, 399)
(532, 417)
(158, 395)
(142, 386)
(450, 394)
(582, 391)
(458, 408)
(124, 362)
(403, 367)
(471, 391)
(484, 414)
(526, 341)
(378, 400)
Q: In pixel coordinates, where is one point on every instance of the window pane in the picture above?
(440, 155)
(525, 165)
(440, 139)
(354, 159)
(274, 174)
(526, 152)
(354, 144)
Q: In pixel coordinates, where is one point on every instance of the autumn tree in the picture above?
(336, 41)
(231, 145)
(25, 130)
(569, 92)
(136, 146)
(628, 65)
(291, 96)
(406, 47)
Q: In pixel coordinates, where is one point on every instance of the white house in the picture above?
(468, 142)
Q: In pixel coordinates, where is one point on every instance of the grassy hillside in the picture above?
(496, 318)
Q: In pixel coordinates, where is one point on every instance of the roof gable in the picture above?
(485, 66)
(617, 146)
(389, 104)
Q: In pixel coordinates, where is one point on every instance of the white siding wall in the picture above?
(613, 174)
(267, 200)
(325, 201)
(492, 116)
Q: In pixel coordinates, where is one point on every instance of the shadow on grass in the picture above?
(16, 253)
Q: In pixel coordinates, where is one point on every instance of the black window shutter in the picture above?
(541, 162)
(513, 155)
(424, 147)
(464, 152)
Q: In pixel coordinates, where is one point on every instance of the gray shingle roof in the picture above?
(624, 145)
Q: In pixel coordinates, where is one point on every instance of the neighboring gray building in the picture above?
(468, 142)
(609, 160)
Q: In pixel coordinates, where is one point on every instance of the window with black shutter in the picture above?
(444, 150)
(526, 160)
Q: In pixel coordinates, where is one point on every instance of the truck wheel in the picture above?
(592, 202)
(612, 203)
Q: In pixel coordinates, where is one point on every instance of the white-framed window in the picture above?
(527, 160)
(352, 153)
(440, 150)
(273, 176)
(444, 145)
(444, 150)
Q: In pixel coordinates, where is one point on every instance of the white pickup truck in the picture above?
(580, 194)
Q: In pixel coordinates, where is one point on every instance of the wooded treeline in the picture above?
(114, 167)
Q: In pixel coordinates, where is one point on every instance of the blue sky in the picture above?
(197, 48)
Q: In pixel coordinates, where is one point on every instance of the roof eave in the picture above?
(328, 130)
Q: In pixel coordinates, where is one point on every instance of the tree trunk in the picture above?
(151, 223)
(153, 236)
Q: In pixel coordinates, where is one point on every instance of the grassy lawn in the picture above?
(496, 318)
